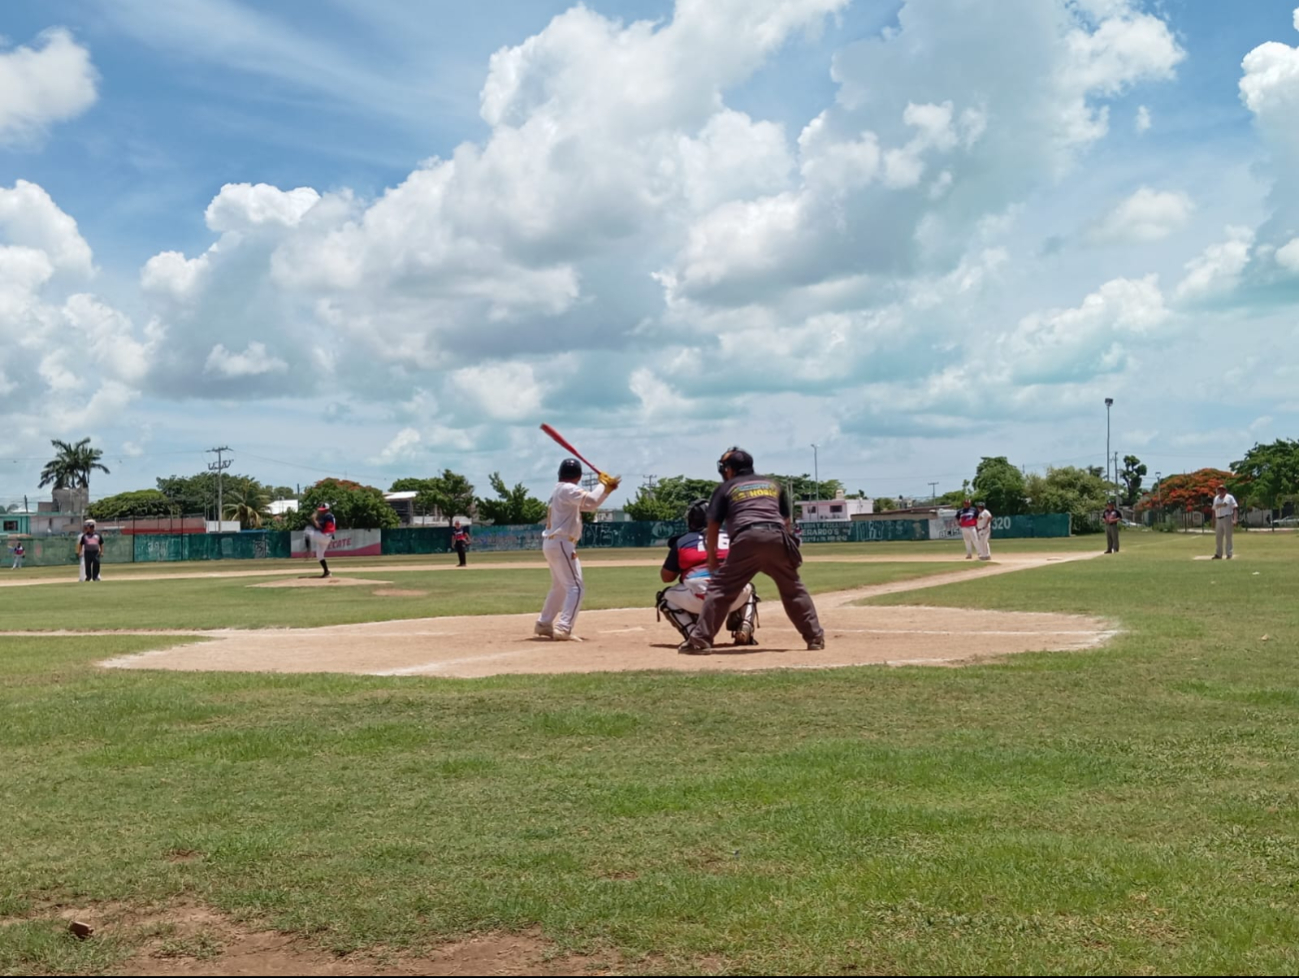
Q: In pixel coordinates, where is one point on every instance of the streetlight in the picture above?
(816, 477)
(1109, 402)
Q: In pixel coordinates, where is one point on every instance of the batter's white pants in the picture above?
(565, 598)
(688, 596)
(971, 535)
(985, 544)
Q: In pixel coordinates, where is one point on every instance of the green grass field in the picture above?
(1126, 811)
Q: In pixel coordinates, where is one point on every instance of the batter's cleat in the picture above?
(816, 644)
(690, 648)
(543, 629)
(563, 635)
(969, 556)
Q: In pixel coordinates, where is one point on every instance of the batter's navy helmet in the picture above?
(570, 468)
(697, 515)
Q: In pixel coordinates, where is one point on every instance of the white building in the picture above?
(838, 509)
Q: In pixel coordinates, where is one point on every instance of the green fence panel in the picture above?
(499, 539)
(878, 531)
(406, 540)
(646, 534)
(1019, 527)
(61, 550)
(247, 545)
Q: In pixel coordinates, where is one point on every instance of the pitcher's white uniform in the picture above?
(563, 530)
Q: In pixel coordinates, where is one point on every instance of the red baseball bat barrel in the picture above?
(564, 443)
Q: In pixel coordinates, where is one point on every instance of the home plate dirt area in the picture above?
(628, 639)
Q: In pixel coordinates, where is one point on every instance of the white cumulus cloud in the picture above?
(252, 362)
(1219, 268)
(51, 82)
(1148, 215)
(1288, 256)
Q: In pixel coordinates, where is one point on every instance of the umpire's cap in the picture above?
(570, 468)
(737, 460)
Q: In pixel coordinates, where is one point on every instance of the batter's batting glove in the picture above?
(610, 482)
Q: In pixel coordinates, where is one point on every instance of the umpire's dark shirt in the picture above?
(748, 499)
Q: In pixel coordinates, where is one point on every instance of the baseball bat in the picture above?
(563, 442)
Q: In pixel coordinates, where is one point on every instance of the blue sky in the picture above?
(380, 239)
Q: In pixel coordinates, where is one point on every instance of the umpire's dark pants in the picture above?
(1111, 537)
(91, 558)
(768, 549)
(460, 551)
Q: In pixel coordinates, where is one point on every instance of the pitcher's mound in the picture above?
(316, 580)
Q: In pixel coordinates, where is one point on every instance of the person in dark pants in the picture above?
(1111, 519)
(756, 513)
(89, 546)
(460, 541)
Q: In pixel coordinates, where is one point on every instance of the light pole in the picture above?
(816, 477)
(1109, 402)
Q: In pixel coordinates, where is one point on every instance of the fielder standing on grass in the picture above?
(1224, 522)
(968, 518)
(984, 527)
(321, 534)
(756, 513)
(89, 547)
(563, 529)
(460, 541)
(1111, 519)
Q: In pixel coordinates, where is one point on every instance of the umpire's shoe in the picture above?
(690, 648)
(816, 644)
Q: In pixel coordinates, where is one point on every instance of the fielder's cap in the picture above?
(322, 507)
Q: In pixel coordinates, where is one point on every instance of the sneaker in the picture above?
(690, 648)
(543, 629)
(816, 644)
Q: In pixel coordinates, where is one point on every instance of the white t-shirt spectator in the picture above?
(1224, 506)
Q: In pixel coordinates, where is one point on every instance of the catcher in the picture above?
(687, 564)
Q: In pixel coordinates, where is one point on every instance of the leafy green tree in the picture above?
(669, 498)
(1079, 492)
(247, 501)
(1131, 476)
(140, 504)
(1001, 486)
(72, 464)
(514, 507)
(1268, 475)
(355, 506)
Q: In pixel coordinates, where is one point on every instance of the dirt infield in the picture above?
(630, 639)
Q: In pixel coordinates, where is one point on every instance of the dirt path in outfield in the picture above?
(630, 639)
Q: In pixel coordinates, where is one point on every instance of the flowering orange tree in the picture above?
(1186, 493)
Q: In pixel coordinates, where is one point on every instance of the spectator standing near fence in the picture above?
(460, 541)
(90, 546)
(19, 553)
(1111, 520)
(984, 527)
(1224, 522)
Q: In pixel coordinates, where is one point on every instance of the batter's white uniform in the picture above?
(985, 535)
(563, 530)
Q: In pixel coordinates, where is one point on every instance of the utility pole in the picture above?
(1109, 403)
(1116, 473)
(219, 466)
(933, 491)
(816, 475)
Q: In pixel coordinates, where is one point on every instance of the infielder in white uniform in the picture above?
(985, 532)
(563, 529)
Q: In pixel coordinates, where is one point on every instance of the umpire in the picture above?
(756, 513)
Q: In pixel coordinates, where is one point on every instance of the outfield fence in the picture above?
(125, 548)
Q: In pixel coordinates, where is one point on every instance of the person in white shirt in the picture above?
(1224, 520)
(985, 531)
(563, 529)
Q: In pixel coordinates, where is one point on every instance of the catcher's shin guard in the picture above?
(744, 622)
(682, 621)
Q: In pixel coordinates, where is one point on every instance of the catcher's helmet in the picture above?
(697, 514)
(570, 468)
(737, 460)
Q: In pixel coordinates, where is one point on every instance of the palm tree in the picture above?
(71, 467)
(246, 501)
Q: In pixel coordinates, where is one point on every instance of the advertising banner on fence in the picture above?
(347, 543)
